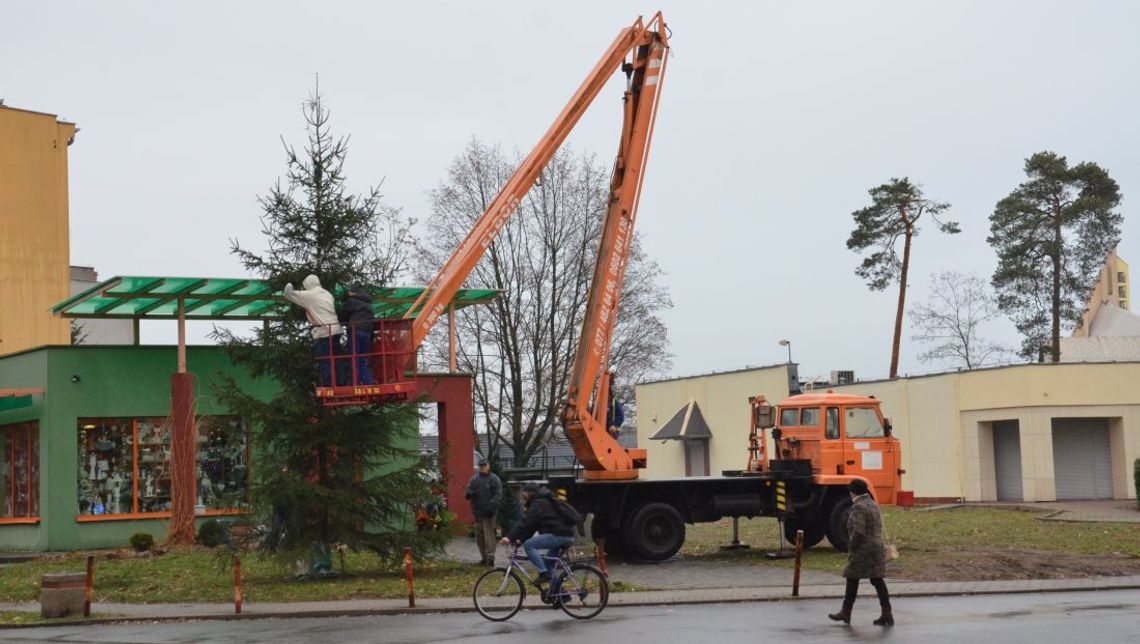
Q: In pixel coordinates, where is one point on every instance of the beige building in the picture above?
(34, 272)
(1033, 432)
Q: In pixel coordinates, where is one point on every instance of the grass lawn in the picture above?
(961, 543)
(195, 576)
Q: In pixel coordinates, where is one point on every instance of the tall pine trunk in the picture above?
(902, 303)
(1056, 256)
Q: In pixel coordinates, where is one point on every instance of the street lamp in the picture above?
(787, 343)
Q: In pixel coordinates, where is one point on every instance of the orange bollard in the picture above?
(237, 584)
(89, 586)
(409, 575)
(799, 556)
(600, 555)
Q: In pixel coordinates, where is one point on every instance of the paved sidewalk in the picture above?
(116, 612)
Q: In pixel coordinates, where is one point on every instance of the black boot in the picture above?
(886, 618)
(844, 614)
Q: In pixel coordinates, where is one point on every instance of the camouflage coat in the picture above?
(866, 559)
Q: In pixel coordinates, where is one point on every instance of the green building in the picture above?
(86, 463)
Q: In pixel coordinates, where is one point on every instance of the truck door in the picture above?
(869, 452)
(831, 448)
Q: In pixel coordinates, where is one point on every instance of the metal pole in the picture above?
(799, 556)
(408, 574)
(90, 584)
(452, 361)
(237, 584)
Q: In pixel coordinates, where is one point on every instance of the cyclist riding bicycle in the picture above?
(542, 517)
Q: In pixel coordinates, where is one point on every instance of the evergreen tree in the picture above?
(1051, 235)
(325, 477)
(896, 207)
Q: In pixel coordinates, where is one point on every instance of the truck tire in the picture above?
(813, 533)
(837, 523)
(655, 532)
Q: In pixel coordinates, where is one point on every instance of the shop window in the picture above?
(20, 469)
(223, 456)
(125, 468)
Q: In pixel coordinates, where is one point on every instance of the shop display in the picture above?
(19, 471)
(124, 465)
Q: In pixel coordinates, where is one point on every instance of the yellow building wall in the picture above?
(34, 251)
(723, 399)
(943, 422)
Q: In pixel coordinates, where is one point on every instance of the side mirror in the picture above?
(887, 429)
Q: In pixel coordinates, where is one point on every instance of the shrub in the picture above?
(142, 541)
(212, 534)
(1136, 479)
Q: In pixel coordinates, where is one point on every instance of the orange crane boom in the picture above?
(646, 44)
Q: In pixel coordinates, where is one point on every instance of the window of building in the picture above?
(831, 429)
(789, 417)
(810, 417)
(125, 469)
(1120, 277)
(1120, 292)
(20, 472)
(223, 457)
(863, 423)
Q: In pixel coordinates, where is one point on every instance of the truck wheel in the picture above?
(656, 532)
(837, 524)
(813, 534)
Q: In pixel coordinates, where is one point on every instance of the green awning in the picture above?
(211, 298)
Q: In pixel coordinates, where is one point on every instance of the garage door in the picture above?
(1082, 461)
(1007, 460)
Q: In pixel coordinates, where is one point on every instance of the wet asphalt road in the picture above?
(1108, 616)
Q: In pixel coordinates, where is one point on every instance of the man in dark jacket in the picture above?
(357, 316)
(485, 491)
(541, 516)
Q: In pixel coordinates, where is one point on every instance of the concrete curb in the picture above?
(632, 599)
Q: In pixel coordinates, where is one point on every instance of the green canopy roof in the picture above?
(211, 298)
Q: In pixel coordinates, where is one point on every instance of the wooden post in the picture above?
(799, 556)
(90, 585)
(452, 361)
(408, 574)
(237, 584)
(600, 555)
(181, 335)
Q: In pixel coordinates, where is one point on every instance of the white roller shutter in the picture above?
(1082, 459)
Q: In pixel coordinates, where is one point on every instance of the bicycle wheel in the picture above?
(499, 594)
(584, 592)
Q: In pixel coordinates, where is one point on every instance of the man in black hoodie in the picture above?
(357, 316)
(542, 517)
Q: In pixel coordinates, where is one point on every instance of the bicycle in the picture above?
(581, 590)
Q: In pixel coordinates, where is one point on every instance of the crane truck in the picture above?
(819, 441)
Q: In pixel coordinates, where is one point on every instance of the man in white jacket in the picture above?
(320, 309)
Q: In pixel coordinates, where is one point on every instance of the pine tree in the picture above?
(325, 477)
(1051, 235)
(896, 208)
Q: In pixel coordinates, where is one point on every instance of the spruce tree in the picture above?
(325, 477)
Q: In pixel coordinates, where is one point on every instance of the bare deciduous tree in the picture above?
(521, 347)
(950, 320)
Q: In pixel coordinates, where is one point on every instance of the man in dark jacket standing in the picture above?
(485, 491)
(357, 316)
(542, 517)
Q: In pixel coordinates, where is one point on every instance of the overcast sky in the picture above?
(776, 118)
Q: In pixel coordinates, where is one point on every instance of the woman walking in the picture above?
(866, 554)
